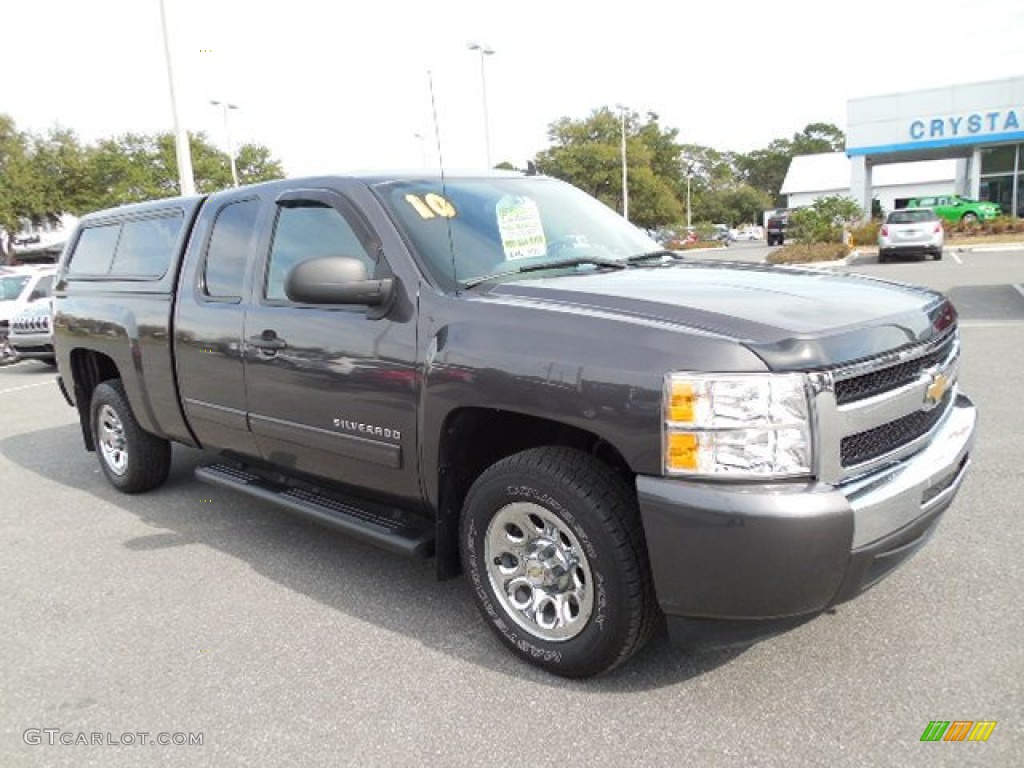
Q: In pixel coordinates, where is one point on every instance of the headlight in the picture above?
(737, 425)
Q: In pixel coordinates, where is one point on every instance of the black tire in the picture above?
(938, 255)
(882, 257)
(598, 532)
(133, 460)
(969, 218)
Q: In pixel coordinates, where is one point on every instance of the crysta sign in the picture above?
(926, 122)
(974, 124)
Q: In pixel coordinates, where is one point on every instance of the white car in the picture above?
(913, 232)
(21, 287)
(31, 333)
(746, 234)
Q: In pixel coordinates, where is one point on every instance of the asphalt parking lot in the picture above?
(192, 610)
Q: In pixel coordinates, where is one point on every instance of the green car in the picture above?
(955, 209)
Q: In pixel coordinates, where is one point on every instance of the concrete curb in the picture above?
(857, 257)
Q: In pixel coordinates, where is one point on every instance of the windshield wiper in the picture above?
(659, 254)
(580, 261)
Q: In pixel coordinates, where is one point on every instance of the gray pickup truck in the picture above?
(499, 372)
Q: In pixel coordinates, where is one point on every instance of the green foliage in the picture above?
(1001, 225)
(20, 192)
(765, 169)
(740, 204)
(46, 175)
(866, 233)
(725, 187)
(587, 154)
(824, 221)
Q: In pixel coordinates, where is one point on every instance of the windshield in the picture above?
(500, 225)
(12, 286)
(912, 217)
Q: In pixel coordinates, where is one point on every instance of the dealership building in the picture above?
(963, 139)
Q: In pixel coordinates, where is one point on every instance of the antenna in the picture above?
(440, 164)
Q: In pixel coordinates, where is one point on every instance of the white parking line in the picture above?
(990, 323)
(27, 386)
(956, 258)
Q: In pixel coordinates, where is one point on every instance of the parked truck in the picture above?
(499, 372)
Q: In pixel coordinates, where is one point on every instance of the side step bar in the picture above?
(380, 526)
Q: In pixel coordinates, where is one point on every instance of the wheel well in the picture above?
(475, 438)
(89, 369)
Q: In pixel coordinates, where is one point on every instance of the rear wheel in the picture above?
(938, 255)
(969, 218)
(553, 545)
(133, 460)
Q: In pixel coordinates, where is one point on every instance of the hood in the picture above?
(794, 319)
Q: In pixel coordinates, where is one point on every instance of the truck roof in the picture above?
(369, 178)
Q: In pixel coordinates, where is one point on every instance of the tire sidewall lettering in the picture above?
(545, 500)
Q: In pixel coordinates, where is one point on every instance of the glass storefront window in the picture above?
(998, 159)
(1002, 178)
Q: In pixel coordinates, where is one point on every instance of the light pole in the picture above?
(227, 133)
(688, 168)
(688, 175)
(186, 181)
(625, 173)
(484, 51)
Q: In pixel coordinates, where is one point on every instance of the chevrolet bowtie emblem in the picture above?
(936, 390)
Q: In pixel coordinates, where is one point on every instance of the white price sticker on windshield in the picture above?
(522, 233)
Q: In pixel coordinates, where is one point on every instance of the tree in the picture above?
(20, 194)
(587, 154)
(60, 165)
(739, 204)
(825, 220)
(136, 167)
(766, 169)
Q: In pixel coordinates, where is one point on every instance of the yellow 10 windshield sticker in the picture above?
(522, 233)
(431, 205)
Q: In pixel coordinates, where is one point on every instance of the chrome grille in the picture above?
(875, 412)
(873, 443)
(893, 377)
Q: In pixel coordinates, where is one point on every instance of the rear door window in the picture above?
(228, 250)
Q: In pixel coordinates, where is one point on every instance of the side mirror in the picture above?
(335, 280)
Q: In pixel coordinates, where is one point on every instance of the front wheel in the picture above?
(133, 460)
(553, 545)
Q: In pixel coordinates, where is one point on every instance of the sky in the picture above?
(336, 85)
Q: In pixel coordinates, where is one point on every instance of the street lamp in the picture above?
(227, 133)
(484, 51)
(689, 173)
(625, 175)
(689, 168)
(186, 180)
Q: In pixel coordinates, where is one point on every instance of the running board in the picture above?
(386, 528)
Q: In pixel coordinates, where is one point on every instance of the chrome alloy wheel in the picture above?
(111, 439)
(538, 571)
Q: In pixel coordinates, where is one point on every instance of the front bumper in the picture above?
(32, 345)
(736, 562)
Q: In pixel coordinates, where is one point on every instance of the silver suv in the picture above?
(912, 232)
